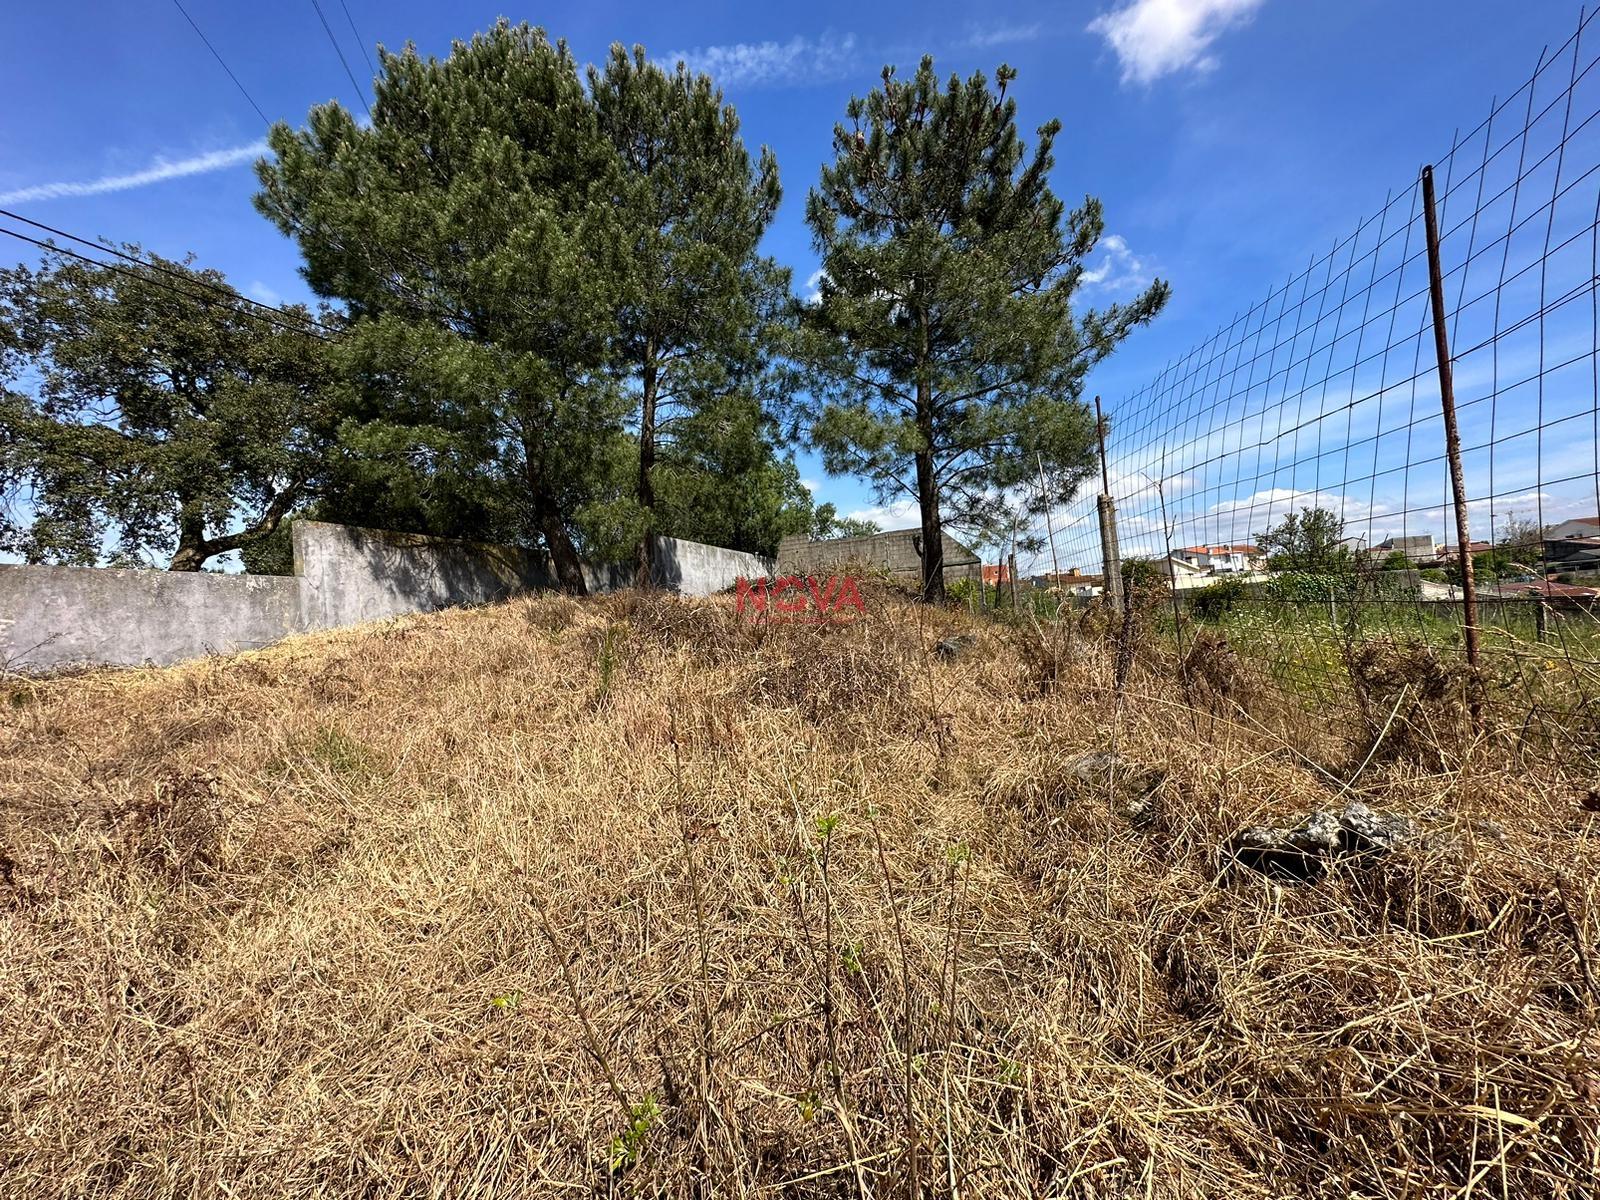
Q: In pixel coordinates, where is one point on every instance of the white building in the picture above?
(1222, 560)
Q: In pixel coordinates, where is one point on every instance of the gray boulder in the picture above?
(953, 647)
(1301, 853)
(1132, 788)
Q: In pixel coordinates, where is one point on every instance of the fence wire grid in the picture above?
(1326, 395)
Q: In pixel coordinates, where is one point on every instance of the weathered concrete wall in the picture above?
(895, 551)
(52, 617)
(350, 575)
(696, 569)
(353, 575)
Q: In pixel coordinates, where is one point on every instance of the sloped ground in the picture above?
(628, 897)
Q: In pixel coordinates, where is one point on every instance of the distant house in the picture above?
(1572, 554)
(1577, 527)
(1222, 560)
(898, 551)
(1072, 582)
(1183, 573)
(1417, 548)
(1449, 551)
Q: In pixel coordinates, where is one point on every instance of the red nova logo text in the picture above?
(796, 598)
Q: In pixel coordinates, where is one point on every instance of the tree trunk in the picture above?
(644, 577)
(927, 484)
(932, 530)
(928, 502)
(563, 554)
(569, 567)
(194, 548)
(191, 554)
(547, 520)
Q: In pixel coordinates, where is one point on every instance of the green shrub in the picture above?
(1308, 587)
(1215, 600)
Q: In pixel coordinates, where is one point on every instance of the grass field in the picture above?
(1541, 686)
(628, 897)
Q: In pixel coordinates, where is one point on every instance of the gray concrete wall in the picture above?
(696, 569)
(350, 575)
(895, 551)
(54, 617)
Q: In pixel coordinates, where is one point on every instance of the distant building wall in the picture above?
(1584, 527)
(895, 551)
(1414, 546)
(52, 617)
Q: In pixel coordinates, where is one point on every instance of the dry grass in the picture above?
(630, 898)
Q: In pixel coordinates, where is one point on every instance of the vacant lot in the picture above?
(625, 896)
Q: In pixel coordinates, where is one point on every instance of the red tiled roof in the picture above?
(1550, 587)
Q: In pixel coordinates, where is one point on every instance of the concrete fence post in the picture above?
(1110, 552)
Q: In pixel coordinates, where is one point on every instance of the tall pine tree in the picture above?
(947, 359)
(698, 296)
(476, 216)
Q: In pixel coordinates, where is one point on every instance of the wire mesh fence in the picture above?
(1289, 477)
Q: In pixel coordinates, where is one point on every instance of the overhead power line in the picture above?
(343, 62)
(104, 247)
(360, 41)
(271, 315)
(220, 62)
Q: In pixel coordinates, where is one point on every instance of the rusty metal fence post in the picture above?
(1452, 442)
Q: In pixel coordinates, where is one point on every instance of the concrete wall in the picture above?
(52, 617)
(696, 569)
(895, 551)
(65, 616)
(349, 575)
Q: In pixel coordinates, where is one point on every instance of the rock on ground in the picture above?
(1304, 851)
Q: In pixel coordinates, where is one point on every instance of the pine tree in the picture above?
(948, 362)
(472, 231)
(698, 296)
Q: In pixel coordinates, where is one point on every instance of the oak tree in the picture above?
(151, 411)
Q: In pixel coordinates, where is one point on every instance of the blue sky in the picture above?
(1230, 140)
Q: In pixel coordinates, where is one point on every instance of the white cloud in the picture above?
(901, 514)
(158, 172)
(755, 64)
(810, 485)
(260, 291)
(1120, 269)
(1153, 38)
(814, 286)
(1001, 35)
